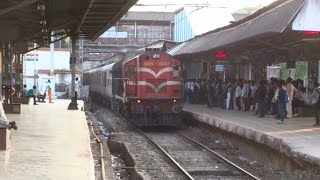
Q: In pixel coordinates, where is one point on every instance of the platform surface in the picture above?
(51, 143)
(297, 133)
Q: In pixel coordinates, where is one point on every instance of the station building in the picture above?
(245, 48)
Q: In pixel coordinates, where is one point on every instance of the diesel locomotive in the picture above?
(146, 89)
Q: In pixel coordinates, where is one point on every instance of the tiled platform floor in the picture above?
(51, 143)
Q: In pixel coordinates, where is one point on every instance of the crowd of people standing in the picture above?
(274, 97)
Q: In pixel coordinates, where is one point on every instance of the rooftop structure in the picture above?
(134, 30)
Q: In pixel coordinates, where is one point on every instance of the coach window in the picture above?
(105, 79)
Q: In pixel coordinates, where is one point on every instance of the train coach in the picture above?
(147, 88)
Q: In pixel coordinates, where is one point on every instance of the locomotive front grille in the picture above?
(161, 120)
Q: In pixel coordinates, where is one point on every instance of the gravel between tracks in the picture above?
(149, 162)
(146, 156)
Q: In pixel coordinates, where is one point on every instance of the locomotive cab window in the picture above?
(130, 71)
(176, 70)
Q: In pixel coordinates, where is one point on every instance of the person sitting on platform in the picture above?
(4, 123)
(9, 125)
(32, 93)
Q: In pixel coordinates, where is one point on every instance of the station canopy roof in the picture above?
(25, 21)
(267, 21)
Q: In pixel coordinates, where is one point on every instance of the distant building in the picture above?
(192, 21)
(134, 30)
(37, 70)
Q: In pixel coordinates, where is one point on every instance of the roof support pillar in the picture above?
(7, 70)
(1, 69)
(74, 92)
(3, 118)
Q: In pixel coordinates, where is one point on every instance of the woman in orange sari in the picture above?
(49, 91)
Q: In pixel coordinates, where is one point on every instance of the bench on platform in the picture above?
(21, 100)
(12, 108)
(41, 98)
(5, 139)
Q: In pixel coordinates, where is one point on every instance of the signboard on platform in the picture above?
(273, 72)
(219, 68)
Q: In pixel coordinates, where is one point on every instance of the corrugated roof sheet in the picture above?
(306, 19)
(272, 20)
(148, 16)
(176, 48)
(238, 17)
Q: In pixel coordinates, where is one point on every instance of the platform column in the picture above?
(1, 68)
(4, 133)
(73, 104)
(18, 75)
(5, 71)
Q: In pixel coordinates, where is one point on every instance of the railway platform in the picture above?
(51, 143)
(296, 138)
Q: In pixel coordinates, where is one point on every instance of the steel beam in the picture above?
(17, 6)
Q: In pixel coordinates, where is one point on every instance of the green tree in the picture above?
(301, 70)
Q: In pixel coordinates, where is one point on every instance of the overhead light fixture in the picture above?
(41, 7)
(43, 22)
(46, 43)
(44, 30)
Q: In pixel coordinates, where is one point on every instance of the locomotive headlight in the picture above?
(138, 101)
(156, 56)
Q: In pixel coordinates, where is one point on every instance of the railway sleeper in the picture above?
(217, 172)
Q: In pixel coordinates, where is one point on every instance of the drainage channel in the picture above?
(102, 174)
(195, 160)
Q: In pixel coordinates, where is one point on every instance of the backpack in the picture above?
(283, 96)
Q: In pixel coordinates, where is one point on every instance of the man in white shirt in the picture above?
(238, 95)
(245, 95)
(290, 89)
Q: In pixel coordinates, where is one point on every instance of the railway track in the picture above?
(195, 160)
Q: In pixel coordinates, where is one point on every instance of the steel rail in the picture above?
(183, 171)
(103, 173)
(220, 156)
